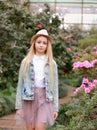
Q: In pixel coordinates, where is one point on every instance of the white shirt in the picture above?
(39, 62)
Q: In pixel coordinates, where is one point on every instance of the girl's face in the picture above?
(41, 45)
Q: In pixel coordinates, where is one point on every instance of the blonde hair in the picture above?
(49, 55)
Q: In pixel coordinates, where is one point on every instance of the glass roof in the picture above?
(64, 1)
(72, 11)
(68, 2)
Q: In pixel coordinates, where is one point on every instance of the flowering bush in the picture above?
(83, 111)
(84, 64)
(86, 68)
(86, 86)
(94, 50)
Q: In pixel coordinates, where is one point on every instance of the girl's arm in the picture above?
(19, 89)
(56, 91)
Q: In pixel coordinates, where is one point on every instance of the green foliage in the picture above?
(87, 72)
(63, 88)
(15, 27)
(83, 112)
(7, 101)
(63, 119)
(62, 56)
(57, 127)
(76, 32)
(85, 48)
(47, 20)
(90, 40)
(93, 30)
(73, 79)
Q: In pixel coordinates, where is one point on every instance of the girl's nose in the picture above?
(41, 44)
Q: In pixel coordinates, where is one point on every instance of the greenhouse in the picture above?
(81, 12)
(48, 61)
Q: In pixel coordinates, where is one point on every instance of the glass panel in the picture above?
(68, 1)
(75, 18)
(90, 1)
(70, 11)
(44, 1)
(89, 18)
(39, 7)
(64, 1)
(66, 8)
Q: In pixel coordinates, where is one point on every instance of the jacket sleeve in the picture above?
(56, 90)
(18, 104)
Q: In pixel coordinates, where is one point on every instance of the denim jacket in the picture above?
(25, 88)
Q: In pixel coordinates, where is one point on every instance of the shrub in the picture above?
(89, 40)
(83, 111)
(7, 101)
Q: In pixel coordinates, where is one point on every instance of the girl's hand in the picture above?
(19, 112)
(55, 114)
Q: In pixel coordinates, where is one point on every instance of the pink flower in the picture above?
(76, 56)
(77, 90)
(68, 49)
(94, 52)
(82, 86)
(94, 62)
(76, 64)
(95, 47)
(39, 25)
(87, 90)
(85, 80)
(86, 64)
(95, 81)
(91, 85)
(86, 85)
(75, 93)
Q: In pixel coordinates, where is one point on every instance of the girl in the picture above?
(37, 91)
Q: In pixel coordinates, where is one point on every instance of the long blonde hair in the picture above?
(49, 55)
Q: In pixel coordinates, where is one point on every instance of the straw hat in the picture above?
(42, 32)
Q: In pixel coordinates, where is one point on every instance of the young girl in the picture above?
(37, 91)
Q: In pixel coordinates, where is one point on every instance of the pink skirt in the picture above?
(38, 110)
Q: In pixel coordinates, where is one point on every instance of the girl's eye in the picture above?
(44, 43)
(39, 42)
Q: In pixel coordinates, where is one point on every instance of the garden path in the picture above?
(8, 122)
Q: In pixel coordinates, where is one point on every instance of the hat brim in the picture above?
(47, 36)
